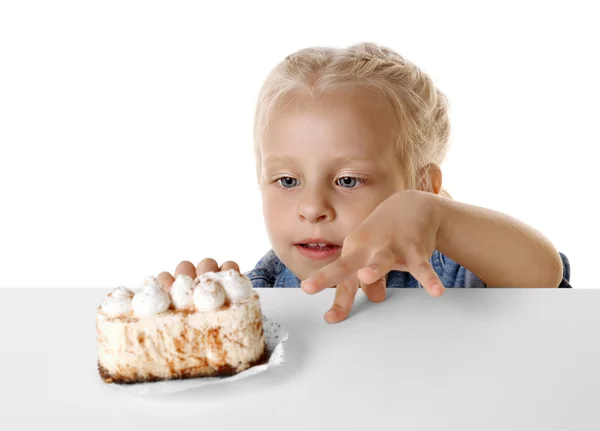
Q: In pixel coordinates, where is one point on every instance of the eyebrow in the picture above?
(279, 160)
(275, 160)
(354, 159)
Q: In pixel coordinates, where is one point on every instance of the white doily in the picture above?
(275, 338)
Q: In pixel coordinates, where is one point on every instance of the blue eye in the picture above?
(348, 182)
(288, 182)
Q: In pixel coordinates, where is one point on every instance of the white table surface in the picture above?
(474, 359)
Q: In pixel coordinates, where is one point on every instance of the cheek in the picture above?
(354, 210)
(275, 211)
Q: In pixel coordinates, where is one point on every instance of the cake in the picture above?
(208, 326)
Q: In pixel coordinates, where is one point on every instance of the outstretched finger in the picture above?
(345, 293)
(426, 275)
(335, 273)
(376, 291)
(379, 265)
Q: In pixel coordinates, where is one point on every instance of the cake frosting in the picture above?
(237, 286)
(181, 292)
(209, 291)
(118, 301)
(151, 299)
(208, 295)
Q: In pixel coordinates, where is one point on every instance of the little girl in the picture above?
(348, 146)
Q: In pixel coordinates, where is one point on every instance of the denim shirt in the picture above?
(271, 272)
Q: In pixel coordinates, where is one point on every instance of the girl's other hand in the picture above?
(165, 279)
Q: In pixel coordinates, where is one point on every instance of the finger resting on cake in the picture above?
(185, 268)
(230, 265)
(165, 279)
(207, 265)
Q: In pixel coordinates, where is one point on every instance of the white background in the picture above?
(126, 127)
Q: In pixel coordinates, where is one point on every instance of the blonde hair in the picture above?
(418, 109)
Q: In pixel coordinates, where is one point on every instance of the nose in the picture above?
(315, 206)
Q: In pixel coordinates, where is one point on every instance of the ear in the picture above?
(431, 178)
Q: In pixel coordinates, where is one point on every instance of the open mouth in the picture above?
(317, 249)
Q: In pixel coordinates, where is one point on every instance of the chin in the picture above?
(301, 266)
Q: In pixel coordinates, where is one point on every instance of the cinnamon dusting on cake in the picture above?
(128, 342)
(201, 363)
(197, 335)
(215, 344)
(232, 341)
(184, 334)
(161, 337)
(171, 365)
(187, 311)
(131, 317)
(179, 344)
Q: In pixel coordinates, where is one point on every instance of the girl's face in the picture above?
(326, 166)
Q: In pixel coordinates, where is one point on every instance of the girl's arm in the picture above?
(500, 250)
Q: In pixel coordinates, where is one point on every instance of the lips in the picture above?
(317, 248)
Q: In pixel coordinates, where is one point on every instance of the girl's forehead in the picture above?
(343, 124)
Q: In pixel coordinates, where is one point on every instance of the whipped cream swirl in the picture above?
(118, 302)
(208, 294)
(151, 299)
(238, 287)
(182, 292)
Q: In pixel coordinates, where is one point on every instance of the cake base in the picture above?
(190, 373)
